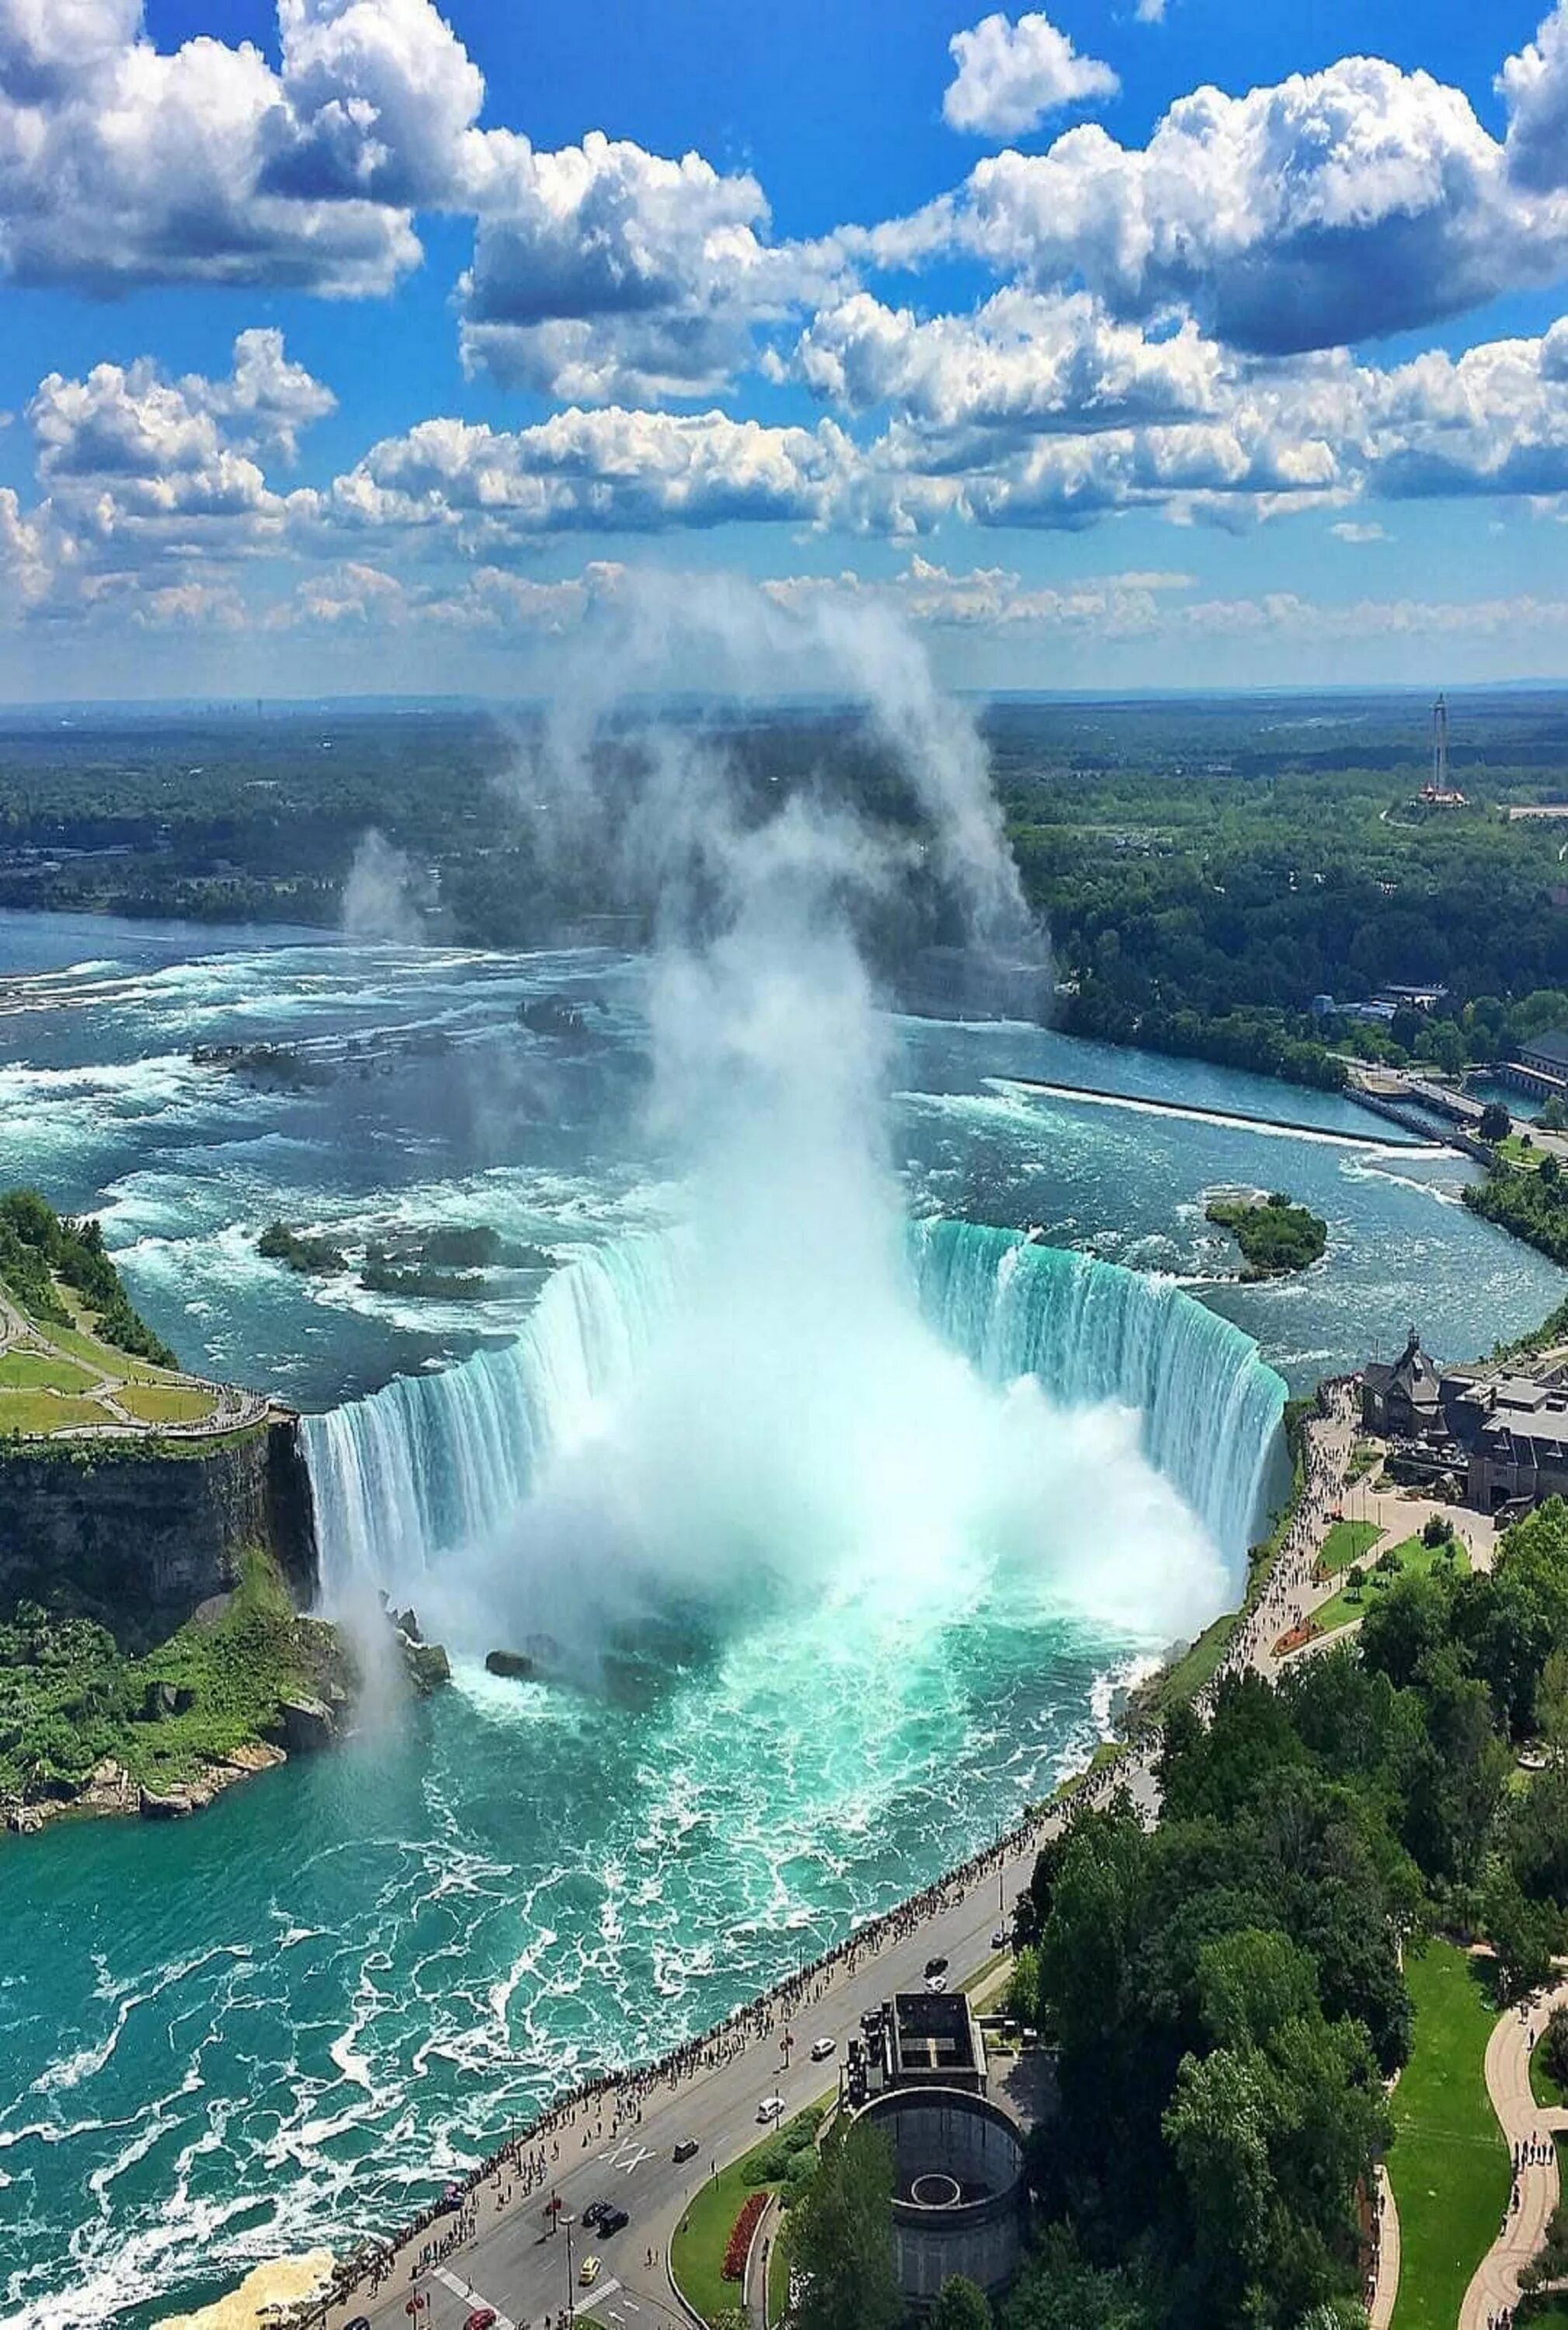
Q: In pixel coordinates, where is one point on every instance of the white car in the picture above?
(822, 2048)
(770, 2107)
(999, 1939)
(936, 1981)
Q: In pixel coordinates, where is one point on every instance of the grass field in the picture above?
(1512, 1147)
(1447, 2164)
(1545, 2089)
(104, 1358)
(697, 2251)
(1346, 1542)
(71, 1361)
(42, 1370)
(1417, 1560)
(166, 1403)
(44, 1411)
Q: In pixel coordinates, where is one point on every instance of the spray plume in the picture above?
(796, 1433)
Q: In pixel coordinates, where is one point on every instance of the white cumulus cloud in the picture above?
(1332, 207)
(1011, 75)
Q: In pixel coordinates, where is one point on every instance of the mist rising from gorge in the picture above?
(795, 1435)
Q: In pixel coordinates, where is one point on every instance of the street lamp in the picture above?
(570, 2284)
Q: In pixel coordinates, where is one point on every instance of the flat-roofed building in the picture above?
(933, 2040)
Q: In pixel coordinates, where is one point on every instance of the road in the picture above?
(513, 2264)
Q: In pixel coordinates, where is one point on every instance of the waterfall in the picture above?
(437, 1462)
(1089, 1331)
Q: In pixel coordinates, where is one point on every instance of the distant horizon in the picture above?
(368, 700)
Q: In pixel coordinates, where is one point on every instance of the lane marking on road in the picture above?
(597, 2297)
(628, 2154)
(471, 2298)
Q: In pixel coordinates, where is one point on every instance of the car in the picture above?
(359, 2322)
(611, 2222)
(593, 2212)
(770, 2107)
(822, 2048)
(587, 2272)
(999, 1939)
(935, 1966)
(686, 2149)
(936, 1981)
(483, 2317)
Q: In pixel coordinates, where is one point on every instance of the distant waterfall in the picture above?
(436, 1461)
(1090, 1331)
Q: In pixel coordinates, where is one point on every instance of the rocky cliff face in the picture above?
(137, 1540)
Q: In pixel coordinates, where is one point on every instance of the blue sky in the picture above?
(358, 345)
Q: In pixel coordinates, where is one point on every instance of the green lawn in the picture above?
(41, 1371)
(1346, 1542)
(1447, 2164)
(104, 1358)
(1417, 1560)
(697, 2251)
(166, 1403)
(44, 1411)
(1512, 1147)
(1543, 2086)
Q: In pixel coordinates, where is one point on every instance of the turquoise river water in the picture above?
(286, 2021)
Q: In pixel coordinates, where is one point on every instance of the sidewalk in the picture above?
(1495, 2287)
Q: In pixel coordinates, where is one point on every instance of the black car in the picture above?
(360, 2322)
(935, 1966)
(595, 2212)
(686, 2149)
(611, 2221)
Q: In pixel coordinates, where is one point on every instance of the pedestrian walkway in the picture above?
(1527, 2130)
(1385, 2271)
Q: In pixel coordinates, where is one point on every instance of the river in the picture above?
(283, 2021)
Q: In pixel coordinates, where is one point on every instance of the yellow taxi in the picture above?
(587, 2272)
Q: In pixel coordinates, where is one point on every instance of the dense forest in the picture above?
(1226, 1990)
(1205, 869)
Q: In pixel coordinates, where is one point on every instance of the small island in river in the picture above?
(1276, 1235)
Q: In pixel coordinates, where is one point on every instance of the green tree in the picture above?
(1552, 1703)
(1523, 1934)
(1058, 2291)
(960, 2305)
(841, 2236)
(1496, 1122)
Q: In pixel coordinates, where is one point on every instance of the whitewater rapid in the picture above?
(436, 1462)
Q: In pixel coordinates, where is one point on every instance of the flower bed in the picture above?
(740, 2238)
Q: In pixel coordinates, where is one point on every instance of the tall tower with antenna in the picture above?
(1440, 747)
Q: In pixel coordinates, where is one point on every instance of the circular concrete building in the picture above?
(957, 2203)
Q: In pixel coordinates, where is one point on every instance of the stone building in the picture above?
(1503, 1436)
(1402, 1401)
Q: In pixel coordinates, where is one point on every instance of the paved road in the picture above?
(511, 2263)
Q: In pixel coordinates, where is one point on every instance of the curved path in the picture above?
(1494, 2285)
(1385, 2267)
